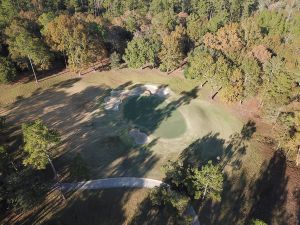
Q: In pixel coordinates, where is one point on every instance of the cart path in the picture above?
(121, 182)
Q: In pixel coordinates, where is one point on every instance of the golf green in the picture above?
(155, 116)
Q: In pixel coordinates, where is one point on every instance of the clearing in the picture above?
(186, 125)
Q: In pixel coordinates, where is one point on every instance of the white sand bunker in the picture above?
(113, 101)
(139, 138)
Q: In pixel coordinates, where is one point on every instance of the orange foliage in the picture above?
(261, 53)
(227, 39)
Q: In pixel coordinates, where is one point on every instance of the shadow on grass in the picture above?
(268, 192)
(84, 130)
(148, 214)
(262, 196)
(110, 206)
(93, 207)
(148, 112)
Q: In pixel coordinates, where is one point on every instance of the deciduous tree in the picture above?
(201, 65)
(141, 51)
(227, 39)
(172, 52)
(81, 42)
(26, 46)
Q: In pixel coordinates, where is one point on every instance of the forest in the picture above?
(241, 49)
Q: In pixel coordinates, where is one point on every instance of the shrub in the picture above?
(173, 200)
(7, 71)
(115, 60)
(78, 169)
(257, 222)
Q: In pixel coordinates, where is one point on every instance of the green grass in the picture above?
(171, 127)
(12, 92)
(72, 107)
(154, 116)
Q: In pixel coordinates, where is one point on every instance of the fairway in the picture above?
(198, 100)
(183, 125)
(75, 108)
(149, 113)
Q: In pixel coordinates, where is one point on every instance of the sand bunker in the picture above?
(113, 101)
(139, 138)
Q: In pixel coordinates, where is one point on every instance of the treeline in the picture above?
(241, 48)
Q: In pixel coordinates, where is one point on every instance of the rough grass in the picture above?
(107, 207)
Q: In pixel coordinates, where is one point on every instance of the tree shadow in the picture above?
(84, 130)
(244, 198)
(248, 130)
(269, 193)
(202, 150)
(213, 148)
(232, 207)
(147, 214)
(91, 207)
(67, 83)
(148, 112)
(296, 195)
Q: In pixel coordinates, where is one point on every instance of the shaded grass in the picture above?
(149, 113)
(111, 206)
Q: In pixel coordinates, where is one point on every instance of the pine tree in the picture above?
(39, 140)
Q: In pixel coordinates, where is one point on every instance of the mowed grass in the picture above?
(13, 92)
(73, 108)
(151, 114)
(109, 207)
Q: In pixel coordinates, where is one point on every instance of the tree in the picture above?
(82, 42)
(251, 32)
(208, 9)
(234, 90)
(196, 27)
(288, 134)
(7, 12)
(257, 222)
(39, 140)
(164, 22)
(172, 52)
(221, 74)
(141, 51)
(227, 39)
(261, 53)
(201, 65)
(25, 45)
(177, 202)
(7, 71)
(277, 84)
(206, 182)
(115, 60)
(272, 22)
(252, 76)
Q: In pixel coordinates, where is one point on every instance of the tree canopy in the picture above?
(38, 141)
